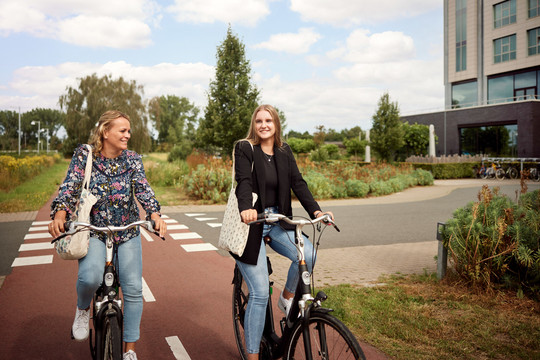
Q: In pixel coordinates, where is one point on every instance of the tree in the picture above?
(319, 135)
(416, 140)
(95, 95)
(231, 99)
(9, 126)
(175, 119)
(387, 130)
(49, 119)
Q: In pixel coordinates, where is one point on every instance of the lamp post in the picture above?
(47, 131)
(39, 130)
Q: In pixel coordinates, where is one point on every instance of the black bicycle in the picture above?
(107, 315)
(309, 331)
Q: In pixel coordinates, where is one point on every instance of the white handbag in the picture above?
(234, 233)
(75, 246)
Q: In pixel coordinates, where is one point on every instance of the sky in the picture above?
(321, 62)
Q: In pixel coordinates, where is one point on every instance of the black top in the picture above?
(271, 181)
(288, 178)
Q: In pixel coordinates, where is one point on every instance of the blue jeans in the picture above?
(256, 277)
(129, 269)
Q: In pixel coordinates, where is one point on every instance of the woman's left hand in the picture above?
(160, 226)
(318, 214)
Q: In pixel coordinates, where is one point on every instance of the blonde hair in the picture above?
(252, 133)
(104, 124)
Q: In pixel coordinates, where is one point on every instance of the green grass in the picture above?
(417, 317)
(33, 194)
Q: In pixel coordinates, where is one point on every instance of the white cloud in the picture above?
(380, 47)
(41, 86)
(247, 12)
(350, 13)
(98, 23)
(298, 43)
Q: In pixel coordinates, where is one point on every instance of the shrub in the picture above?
(180, 151)
(301, 146)
(332, 150)
(380, 187)
(209, 184)
(320, 154)
(423, 177)
(356, 188)
(319, 185)
(494, 242)
(14, 172)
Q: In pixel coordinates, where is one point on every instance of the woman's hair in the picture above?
(252, 133)
(104, 123)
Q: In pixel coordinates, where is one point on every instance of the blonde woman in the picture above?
(274, 175)
(117, 179)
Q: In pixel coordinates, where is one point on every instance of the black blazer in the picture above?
(289, 178)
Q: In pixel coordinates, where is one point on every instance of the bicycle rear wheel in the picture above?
(330, 339)
(500, 174)
(112, 339)
(513, 172)
(239, 301)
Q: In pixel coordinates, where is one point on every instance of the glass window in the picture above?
(489, 140)
(465, 95)
(533, 36)
(525, 80)
(504, 49)
(461, 35)
(504, 13)
(534, 8)
(500, 89)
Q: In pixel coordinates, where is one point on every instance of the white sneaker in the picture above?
(130, 355)
(79, 330)
(284, 304)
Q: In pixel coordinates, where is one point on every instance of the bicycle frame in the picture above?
(300, 310)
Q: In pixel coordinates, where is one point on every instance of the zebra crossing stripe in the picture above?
(36, 246)
(32, 260)
(186, 236)
(178, 350)
(146, 292)
(199, 247)
(38, 236)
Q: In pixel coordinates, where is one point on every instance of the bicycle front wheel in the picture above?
(239, 305)
(112, 339)
(500, 174)
(513, 172)
(330, 339)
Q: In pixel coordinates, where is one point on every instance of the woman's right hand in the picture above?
(248, 215)
(56, 227)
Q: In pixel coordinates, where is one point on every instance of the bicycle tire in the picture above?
(500, 174)
(534, 174)
(490, 173)
(330, 339)
(240, 297)
(112, 339)
(513, 173)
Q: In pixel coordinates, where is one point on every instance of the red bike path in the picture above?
(189, 319)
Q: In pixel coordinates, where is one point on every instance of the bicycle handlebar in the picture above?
(75, 226)
(272, 218)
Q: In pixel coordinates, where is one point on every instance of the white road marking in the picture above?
(146, 292)
(36, 246)
(185, 236)
(177, 227)
(146, 235)
(38, 236)
(178, 350)
(214, 225)
(195, 214)
(39, 228)
(199, 247)
(32, 260)
(41, 222)
(205, 219)
(170, 221)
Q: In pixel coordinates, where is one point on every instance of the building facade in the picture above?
(492, 79)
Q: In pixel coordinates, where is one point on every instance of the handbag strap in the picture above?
(88, 169)
(252, 149)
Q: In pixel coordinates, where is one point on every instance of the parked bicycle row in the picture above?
(501, 170)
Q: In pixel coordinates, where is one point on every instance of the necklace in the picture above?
(268, 157)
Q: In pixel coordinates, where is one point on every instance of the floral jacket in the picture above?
(113, 182)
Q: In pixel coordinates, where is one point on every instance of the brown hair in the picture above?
(104, 124)
(252, 134)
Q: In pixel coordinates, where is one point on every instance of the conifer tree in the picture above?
(231, 99)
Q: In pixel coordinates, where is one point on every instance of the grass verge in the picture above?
(418, 317)
(33, 194)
